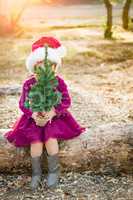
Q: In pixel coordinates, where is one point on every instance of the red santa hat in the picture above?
(56, 51)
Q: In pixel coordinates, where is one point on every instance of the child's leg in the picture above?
(36, 151)
(53, 162)
(52, 146)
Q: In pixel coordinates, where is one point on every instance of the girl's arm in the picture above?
(24, 94)
(66, 99)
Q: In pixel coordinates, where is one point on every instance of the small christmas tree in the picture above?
(43, 94)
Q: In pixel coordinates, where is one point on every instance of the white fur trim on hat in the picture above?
(54, 55)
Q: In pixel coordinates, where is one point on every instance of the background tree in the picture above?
(108, 31)
(125, 14)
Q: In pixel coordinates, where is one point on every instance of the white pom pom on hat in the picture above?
(56, 52)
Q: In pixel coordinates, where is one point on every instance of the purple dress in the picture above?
(63, 126)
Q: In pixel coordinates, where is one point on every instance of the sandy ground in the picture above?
(99, 74)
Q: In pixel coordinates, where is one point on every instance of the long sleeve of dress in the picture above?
(24, 94)
(66, 99)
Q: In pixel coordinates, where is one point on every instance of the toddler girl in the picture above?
(34, 130)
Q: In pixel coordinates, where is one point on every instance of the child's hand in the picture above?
(50, 114)
(41, 121)
(42, 118)
(34, 115)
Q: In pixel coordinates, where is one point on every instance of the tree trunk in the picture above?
(108, 30)
(106, 149)
(125, 14)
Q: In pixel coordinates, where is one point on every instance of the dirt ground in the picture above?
(73, 186)
(99, 74)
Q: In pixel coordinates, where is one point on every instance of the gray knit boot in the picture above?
(53, 170)
(36, 172)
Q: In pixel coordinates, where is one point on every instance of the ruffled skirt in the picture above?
(25, 131)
